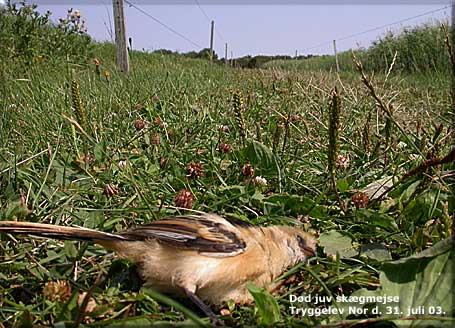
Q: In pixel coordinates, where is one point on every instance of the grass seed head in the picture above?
(334, 130)
(239, 110)
(77, 105)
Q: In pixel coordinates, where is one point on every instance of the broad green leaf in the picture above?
(386, 205)
(70, 249)
(52, 256)
(92, 220)
(233, 190)
(293, 204)
(335, 243)
(100, 151)
(420, 238)
(27, 319)
(261, 157)
(377, 219)
(266, 304)
(422, 283)
(65, 312)
(359, 298)
(342, 185)
(407, 194)
(14, 211)
(258, 196)
(376, 252)
(425, 206)
(424, 279)
(132, 322)
(62, 173)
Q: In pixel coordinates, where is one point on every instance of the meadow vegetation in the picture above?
(364, 163)
(420, 49)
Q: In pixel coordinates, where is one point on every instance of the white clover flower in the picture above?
(223, 128)
(260, 181)
(121, 164)
(342, 162)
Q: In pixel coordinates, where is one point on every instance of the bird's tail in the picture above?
(57, 232)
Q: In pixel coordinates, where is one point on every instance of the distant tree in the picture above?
(191, 54)
(164, 52)
(205, 54)
(252, 63)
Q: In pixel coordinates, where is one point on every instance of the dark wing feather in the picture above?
(209, 234)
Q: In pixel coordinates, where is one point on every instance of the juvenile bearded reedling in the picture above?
(205, 257)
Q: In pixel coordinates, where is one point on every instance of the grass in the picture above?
(414, 50)
(129, 162)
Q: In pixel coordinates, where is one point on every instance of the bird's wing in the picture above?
(209, 234)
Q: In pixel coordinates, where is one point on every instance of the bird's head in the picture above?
(300, 244)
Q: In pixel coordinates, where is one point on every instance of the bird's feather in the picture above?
(206, 234)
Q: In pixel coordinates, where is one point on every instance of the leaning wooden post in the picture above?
(212, 27)
(120, 37)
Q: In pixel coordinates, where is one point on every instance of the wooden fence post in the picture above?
(120, 36)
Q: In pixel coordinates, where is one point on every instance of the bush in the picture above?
(419, 49)
(27, 36)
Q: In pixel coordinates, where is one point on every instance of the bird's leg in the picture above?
(204, 307)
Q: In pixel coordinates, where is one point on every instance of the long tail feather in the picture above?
(56, 232)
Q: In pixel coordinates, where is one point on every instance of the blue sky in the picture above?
(251, 29)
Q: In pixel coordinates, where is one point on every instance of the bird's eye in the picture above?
(301, 241)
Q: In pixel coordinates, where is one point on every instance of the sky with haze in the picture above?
(252, 29)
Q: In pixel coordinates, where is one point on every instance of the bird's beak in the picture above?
(308, 251)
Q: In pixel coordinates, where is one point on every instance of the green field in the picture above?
(109, 151)
(421, 49)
